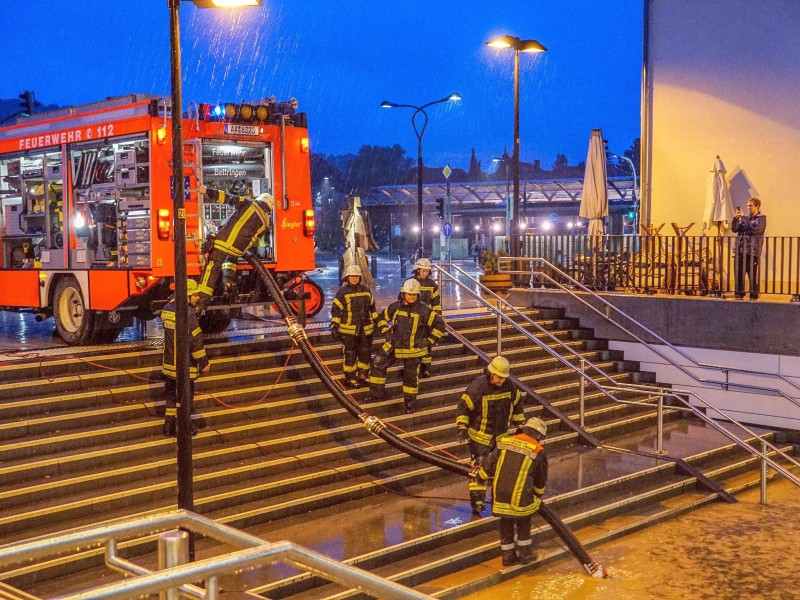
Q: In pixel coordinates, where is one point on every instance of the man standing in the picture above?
(411, 329)
(486, 410)
(519, 469)
(749, 240)
(353, 317)
(429, 294)
(198, 361)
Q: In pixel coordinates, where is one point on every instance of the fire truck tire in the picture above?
(106, 336)
(74, 322)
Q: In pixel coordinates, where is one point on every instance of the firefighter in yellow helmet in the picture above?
(353, 318)
(486, 410)
(238, 233)
(198, 361)
(411, 328)
(429, 294)
(519, 468)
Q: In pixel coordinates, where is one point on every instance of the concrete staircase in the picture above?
(81, 443)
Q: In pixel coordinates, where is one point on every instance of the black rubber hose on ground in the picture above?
(378, 428)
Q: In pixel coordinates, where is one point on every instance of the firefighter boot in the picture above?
(509, 557)
(424, 370)
(409, 405)
(526, 554)
(476, 499)
(169, 428)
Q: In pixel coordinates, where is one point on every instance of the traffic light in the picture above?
(440, 208)
(27, 102)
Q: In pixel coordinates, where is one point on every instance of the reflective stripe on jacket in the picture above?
(197, 359)
(414, 327)
(353, 310)
(519, 468)
(487, 412)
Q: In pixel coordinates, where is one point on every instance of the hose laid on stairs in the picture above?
(378, 428)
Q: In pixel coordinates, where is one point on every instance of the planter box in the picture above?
(500, 282)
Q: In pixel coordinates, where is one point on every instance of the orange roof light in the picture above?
(304, 144)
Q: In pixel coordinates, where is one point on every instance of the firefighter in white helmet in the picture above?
(519, 468)
(353, 318)
(411, 327)
(486, 410)
(236, 235)
(429, 294)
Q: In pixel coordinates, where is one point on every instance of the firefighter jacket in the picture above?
(198, 359)
(519, 468)
(750, 233)
(241, 230)
(353, 311)
(414, 328)
(487, 411)
(429, 293)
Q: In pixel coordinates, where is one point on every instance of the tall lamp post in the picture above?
(633, 192)
(420, 131)
(518, 45)
(185, 483)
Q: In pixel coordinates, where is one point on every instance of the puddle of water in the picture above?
(723, 551)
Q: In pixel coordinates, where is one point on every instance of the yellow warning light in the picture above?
(161, 135)
(304, 144)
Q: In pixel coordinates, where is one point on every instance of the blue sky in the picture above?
(341, 59)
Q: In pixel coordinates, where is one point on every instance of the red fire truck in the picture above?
(87, 225)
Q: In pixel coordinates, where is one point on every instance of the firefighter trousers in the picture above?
(171, 399)
(377, 375)
(509, 526)
(357, 350)
(212, 271)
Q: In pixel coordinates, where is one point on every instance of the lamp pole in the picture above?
(633, 191)
(503, 160)
(518, 45)
(182, 381)
(420, 132)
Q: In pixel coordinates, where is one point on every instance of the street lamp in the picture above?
(518, 45)
(183, 392)
(633, 192)
(420, 110)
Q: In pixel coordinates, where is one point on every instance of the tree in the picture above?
(560, 165)
(376, 165)
(634, 154)
(475, 173)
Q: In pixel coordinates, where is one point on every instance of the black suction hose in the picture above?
(378, 428)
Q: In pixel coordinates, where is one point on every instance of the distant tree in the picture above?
(560, 165)
(475, 173)
(376, 165)
(634, 154)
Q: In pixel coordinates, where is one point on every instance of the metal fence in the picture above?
(693, 265)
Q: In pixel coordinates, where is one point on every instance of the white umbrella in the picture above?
(594, 200)
(719, 207)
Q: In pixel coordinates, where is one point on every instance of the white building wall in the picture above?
(723, 78)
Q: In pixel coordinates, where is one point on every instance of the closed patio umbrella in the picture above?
(719, 207)
(594, 200)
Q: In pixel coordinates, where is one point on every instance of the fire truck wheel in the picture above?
(74, 322)
(315, 300)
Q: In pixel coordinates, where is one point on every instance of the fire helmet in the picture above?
(266, 199)
(410, 286)
(191, 287)
(352, 271)
(500, 367)
(536, 424)
(423, 263)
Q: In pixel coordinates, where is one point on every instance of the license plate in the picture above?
(232, 129)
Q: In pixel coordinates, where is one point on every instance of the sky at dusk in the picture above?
(341, 59)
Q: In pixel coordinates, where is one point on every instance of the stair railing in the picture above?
(483, 294)
(727, 384)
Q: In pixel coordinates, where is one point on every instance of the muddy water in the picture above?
(722, 552)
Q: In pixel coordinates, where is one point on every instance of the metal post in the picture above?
(763, 473)
(173, 551)
(499, 327)
(660, 424)
(184, 394)
(421, 252)
(582, 393)
(514, 233)
(439, 282)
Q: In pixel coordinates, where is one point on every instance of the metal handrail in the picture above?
(726, 369)
(257, 552)
(606, 390)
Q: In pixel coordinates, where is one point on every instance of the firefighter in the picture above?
(429, 294)
(519, 468)
(411, 329)
(235, 236)
(353, 318)
(198, 362)
(486, 410)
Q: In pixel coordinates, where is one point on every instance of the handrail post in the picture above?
(173, 551)
(660, 423)
(439, 283)
(499, 327)
(582, 393)
(763, 473)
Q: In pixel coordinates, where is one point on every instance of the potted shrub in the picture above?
(492, 278)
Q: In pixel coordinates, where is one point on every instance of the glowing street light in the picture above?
(528, 46)
(420, 110)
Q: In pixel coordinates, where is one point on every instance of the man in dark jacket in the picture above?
(198, 362)
(429, 294)
(486, 410)
(749, 231)
(237, 234)
(353, 318)
(519, 468)
(411, 328)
